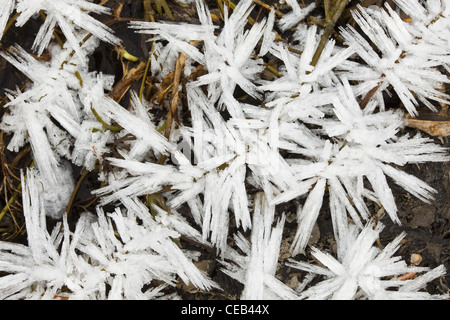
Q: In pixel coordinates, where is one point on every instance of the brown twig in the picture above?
(332, 15)
(266, 6)
(181, 61)
(103, 2)
(10, 23)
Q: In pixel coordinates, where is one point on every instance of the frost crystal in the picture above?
(410, 53)
(242, 145)
(143, 253)
(81, 265)
(295, 16)
(228, 57)
(363, 271)
(351, 153)
(42, 268)
(257, 270)
(70, 16)
(6, 9)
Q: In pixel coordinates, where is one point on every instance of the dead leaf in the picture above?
(124, 84)
(435, 124)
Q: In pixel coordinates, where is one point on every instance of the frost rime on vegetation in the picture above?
(308, 135)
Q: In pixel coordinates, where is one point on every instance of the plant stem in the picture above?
(10, 202)
(104, 124)
(332, 16)
(13, 197)
(10, 23)
(181, 61)
(19, 156)
(144, 77)
(326, 6)
(323, 41)
(75, 190)
(266, 6)
(273, 70)
(232, 6)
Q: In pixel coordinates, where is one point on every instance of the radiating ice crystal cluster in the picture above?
(361, 270)
(409, 53)
(309, 133)
(69, 16)
(93, 257)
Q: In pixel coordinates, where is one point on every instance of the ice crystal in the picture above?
(352, 153)
(228, 56)
(70, 16)
(257, 270)
(83, 264)
(6, 9)
(295, 16)
(145, 252)
(42, 268)
(316, 134)
(409, 52)
(363, 271)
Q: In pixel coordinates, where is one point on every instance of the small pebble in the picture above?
(416, 259)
